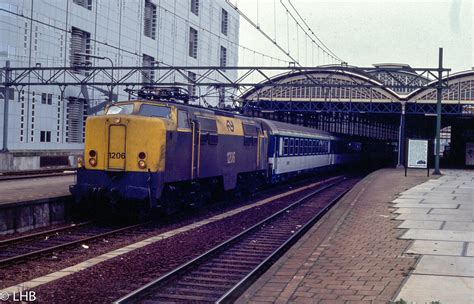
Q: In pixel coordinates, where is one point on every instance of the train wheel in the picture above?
(171, 200)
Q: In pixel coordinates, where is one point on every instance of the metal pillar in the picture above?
(439, 92)
(5, 107)
(401, 139)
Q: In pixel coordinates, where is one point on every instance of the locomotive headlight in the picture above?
(93, 162)
(80, 162)
(141, 164)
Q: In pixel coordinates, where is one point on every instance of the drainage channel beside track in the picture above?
(224, 272)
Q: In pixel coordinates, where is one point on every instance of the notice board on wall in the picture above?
(470, 154)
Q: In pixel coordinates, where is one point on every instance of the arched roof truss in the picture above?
(327, 86)
(460, 90)
(400, 78)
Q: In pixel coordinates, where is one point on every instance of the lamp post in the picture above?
(112, 70)
(6, 98)
(439, 93)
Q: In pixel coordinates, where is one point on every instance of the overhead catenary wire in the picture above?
(312, 32)
(252, 23)
(325, 49)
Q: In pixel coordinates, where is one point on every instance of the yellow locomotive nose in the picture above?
(128, 143)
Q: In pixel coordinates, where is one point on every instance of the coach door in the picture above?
(195, 149)
(259, 147)
(117, 139)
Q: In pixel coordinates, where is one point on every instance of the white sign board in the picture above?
(470, 154)
(417, 153)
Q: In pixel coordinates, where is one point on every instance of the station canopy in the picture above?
(374, 89)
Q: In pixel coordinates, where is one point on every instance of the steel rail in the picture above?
(149, 288)
(35, 235)
(21, 257)
(235, 292)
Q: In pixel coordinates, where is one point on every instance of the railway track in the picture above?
(20, 249)
(224, 272)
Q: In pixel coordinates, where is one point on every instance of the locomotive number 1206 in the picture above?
(117, 155)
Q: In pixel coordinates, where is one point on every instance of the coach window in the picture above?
(315, 149)
(297, 146)
(285, 147)
(325, 147)
(312, 146)
(292, 146)
(183, 120)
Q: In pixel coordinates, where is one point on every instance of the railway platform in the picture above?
(28, 203)
(30, 189)
(390, 238)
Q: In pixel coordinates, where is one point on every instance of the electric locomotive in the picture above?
(146, 154)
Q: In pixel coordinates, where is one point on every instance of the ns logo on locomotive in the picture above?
(143, 154)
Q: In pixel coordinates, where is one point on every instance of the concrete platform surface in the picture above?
(13, 191)
(353, 255)
(445, 271)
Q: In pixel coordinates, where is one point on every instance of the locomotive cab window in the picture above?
(183, 120)
(154, 111)
(123, 109)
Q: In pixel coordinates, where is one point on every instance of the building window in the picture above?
(45, 136)
(192, 87)
(224, 22)
(46, 98)
(195, 7)
(150, 20)
(84, 3)
(223, 57)
(148, 75)
(80, 43)
(193, 42)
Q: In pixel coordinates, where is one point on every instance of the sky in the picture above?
(362, 33)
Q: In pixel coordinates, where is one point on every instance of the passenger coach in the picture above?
(295, 149)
